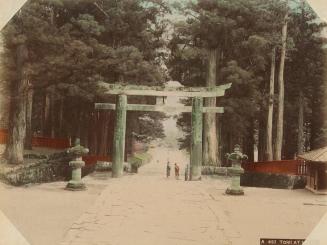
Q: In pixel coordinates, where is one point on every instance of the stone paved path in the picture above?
(148, 208)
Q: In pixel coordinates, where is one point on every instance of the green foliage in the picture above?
(234, 28)
(244, 33)
(305, 73)
(74, 44)
(139, 159)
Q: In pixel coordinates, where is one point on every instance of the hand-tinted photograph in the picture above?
(163, 122)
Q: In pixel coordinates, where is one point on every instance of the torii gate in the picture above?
(196, 93)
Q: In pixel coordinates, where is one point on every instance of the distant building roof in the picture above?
(319, 155)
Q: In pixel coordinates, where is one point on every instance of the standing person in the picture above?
(176, 171)
(186, 172)
(168, 170)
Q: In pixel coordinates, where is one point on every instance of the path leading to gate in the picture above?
(148, 208)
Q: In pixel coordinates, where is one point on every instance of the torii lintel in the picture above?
(201, 92)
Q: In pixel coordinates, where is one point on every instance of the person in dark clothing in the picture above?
(168, 170)
(176, 171)
(186, 172)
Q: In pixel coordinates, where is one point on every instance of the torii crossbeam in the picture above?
(196, 93)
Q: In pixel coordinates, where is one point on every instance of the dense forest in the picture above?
(56, 51)
(272, 51)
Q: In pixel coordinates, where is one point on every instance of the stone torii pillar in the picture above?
(119, 137)
(196, 139)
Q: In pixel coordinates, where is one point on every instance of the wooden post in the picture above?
(196, 141)
(119, 136)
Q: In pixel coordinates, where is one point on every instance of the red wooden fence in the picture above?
(55, 144)
(3, 136)
(40, 141)
(294, 167)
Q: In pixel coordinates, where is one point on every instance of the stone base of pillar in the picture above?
(197, 178)
(195, 173)
(235, 192)
(75, 186)
(117, 174)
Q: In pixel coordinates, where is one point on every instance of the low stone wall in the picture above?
(103, 166)
(270, 180)
(211, 170)
(132, 164)
(265, 180)
(55, 167)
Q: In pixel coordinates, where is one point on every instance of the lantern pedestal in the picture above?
(235, 172)
(76, 183)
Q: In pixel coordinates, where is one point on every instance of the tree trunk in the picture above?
(46, 115)
(77, 121)
(104, 120)
(111, 130)
(84, 129)
(61, 116)
(42, 115)
(220, 146)
(93, 133)
(269, 143)
(248, 143)
(261, 139)
(52, 116)
(210, 144)
(29, 129)
(14, 152)
(280, 115)
(300, 137)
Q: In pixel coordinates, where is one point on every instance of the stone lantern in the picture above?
(235, 171)
(76, 164)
